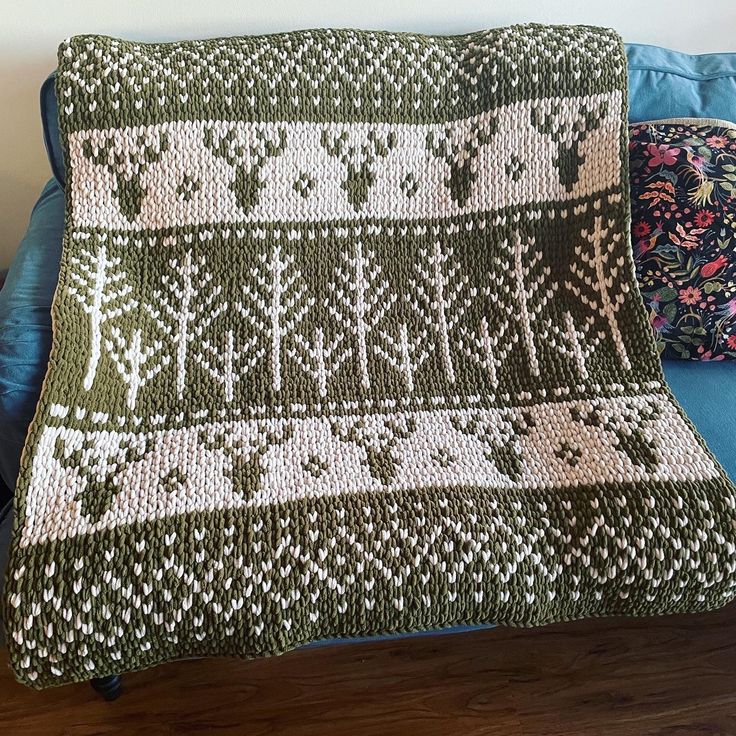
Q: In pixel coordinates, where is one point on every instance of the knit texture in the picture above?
(347, 341)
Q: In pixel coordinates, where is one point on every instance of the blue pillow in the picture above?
(25, 324)
(50, 120)
(669, 84)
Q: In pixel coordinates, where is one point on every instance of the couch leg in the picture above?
(109, 687)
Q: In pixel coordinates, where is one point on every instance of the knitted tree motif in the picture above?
(441, 298)
(377, 440)
(99, 286)
(403, 351)
(568, 133)
(275, 303)
(186, 306)
(496, 336)
(228, 363)
(101, 474)
(598, 273)
(361, 299)
(319, 357)
(244, 457)
(136, 362)
(490, 345)
(128, 159)
(247, 151)
(529, 293)
(459, 150)
(359, 160)
(576, 341)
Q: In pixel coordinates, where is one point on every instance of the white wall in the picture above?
(30, 31)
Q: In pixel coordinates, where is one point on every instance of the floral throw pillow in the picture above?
(683, 227)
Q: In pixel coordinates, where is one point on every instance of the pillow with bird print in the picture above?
(683, 231)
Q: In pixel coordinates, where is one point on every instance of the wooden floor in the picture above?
(671, 677)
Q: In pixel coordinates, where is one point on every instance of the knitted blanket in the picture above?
(347, 341)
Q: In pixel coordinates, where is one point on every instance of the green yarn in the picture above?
(347, 341)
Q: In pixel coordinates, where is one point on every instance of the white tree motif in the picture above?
(528, 292)
(100, 288)
(276, 303)
(185, 309)
(131, 357)
(490, 346)
(404, 352)
(362, 298)
(598, 274)
(319, 358)
(576, 342)
(439, 291)
(227, 364)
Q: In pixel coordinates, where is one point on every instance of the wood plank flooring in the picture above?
(672, 676)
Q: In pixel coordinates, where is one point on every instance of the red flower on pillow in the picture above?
(704, 218)
(691, 295)
(713, 267)
(641, 229)
(661, 155)
(717, 141)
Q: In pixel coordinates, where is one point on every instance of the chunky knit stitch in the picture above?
(347, 341)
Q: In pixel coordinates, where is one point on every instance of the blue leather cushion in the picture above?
(669, 84)
(707, 393)
(25, 324)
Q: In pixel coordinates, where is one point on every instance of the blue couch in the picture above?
(663, 84)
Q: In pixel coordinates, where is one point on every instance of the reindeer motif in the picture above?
(244, 456)
(359, 160)
(460, 152)
(101, 474)
(128, 161)
(501, 443)
(628, 432)
(568, 136)
(247, 157)
(378, 442)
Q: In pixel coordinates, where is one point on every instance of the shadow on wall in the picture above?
(23, 165)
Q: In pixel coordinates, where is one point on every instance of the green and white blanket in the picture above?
(347, 341)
